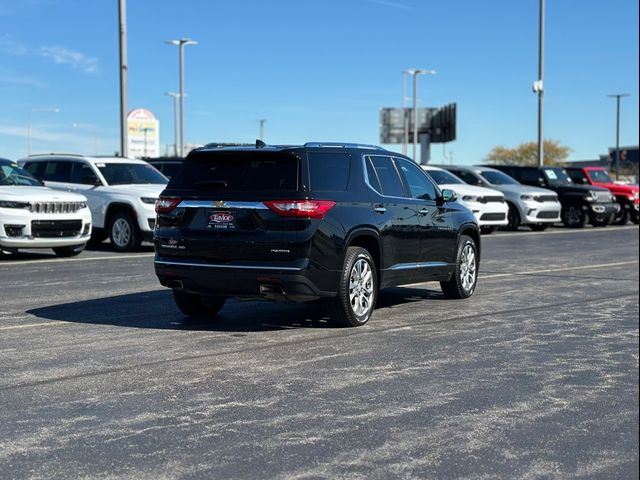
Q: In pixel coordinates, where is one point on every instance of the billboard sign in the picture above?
(439, 123)
(143, 134)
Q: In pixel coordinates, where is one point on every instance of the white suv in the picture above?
(32, 216)
(487, 205)
(121, 192)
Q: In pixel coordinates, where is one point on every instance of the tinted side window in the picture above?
(329, 171)
(373, 176)
(82, 173)
(35, 168)
(58, 171)
(530, 175)
(419, 185)
(469, 178)
(388, 176)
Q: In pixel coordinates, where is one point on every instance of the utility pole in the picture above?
(405, 118)
(415, 72)
(538, 86)
(175, 97)
(122, 21)
(181, 43)
(618, 96)
(262, 122)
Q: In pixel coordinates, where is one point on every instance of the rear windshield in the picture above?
(238, 172)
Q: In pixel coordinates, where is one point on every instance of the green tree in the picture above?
(527, 154)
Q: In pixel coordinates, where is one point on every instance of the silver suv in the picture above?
(532, 206)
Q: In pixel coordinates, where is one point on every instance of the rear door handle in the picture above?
(379, 209)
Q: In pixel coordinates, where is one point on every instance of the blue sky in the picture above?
(318, 70)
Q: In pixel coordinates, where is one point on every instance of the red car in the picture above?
(626, 195)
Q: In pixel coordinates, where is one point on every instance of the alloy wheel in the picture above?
(121, 232)
(361, 287)
(468, 268)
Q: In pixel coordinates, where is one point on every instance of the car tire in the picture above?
(513, 217)
(622, 217)
(357, 290)
(465, 275)
(635, 217)
(573, 216)
(488, 229)
(539, 227)
(195, 305)
(71, 251)
(124, 233)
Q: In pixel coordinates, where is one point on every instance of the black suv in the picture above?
(335, 222)
(579, 202)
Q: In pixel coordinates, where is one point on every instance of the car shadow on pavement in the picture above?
(156, 310)
(106, 247)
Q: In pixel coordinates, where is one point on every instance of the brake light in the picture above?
(301, 208)
(167, 204)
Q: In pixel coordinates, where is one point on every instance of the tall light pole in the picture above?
(415, 72)
(122, 35)
(262, 121)
(405, 118)
(181, 43)
(538, 85)
(29, 125)
(618, 96)
(175, 97)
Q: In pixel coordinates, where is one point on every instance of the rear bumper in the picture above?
(291, 282)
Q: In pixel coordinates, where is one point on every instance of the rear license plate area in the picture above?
(221, 220)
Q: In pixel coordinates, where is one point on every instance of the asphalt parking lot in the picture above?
(535, 376)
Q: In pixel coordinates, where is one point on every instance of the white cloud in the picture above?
(11, 47)
(9, 76)
(76, 60)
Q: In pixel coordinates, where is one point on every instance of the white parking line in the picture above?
(560, 232)
(547, 270)
(70, 260)
(561, 269)
(30, 325)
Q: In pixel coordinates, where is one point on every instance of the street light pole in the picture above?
(181, 43)
(262, 122)
(540, 85)
(122, 31)
(175, 97)
(618, 96)
(30, 126)
(405, 119)
(415, 72)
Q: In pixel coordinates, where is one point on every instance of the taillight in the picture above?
(167, 204)
(301, 208)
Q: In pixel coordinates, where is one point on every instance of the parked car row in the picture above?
(63, 201)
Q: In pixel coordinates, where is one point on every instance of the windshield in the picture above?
(442, 177)
(600, 176)
(557, 176)
(498, 178)
(12, 174)
(130, 173)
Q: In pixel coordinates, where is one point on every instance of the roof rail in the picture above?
(342, 145)
(223, 145)
(57, 153)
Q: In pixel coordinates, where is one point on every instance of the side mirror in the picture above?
(91, 180)
(448, 195)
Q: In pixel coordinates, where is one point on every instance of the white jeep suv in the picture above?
(33, 216)
(121, 192)
(487, 205)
